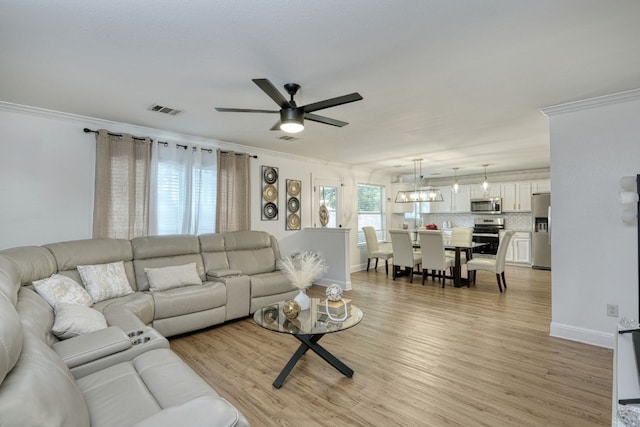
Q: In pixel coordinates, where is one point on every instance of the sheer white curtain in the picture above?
(183, 189)
(121, 200)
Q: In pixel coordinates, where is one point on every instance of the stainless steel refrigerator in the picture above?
(541, 234)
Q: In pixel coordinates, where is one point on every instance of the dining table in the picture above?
(457, 247)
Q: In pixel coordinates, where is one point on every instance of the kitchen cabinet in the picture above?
(516, 197)
(452, 202)
(461, 201)
(400, 208)
(519, 249)
(477, 192)
(541, 186)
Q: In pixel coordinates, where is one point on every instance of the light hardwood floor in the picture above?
(423, 356)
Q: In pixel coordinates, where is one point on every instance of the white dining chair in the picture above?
(403, 254)
(496, 265)
(433, 254)
(375, 251)
(464, 237)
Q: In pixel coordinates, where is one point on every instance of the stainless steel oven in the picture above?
(487, 230)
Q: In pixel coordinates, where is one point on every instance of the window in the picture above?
(183, 193)
(370, 210)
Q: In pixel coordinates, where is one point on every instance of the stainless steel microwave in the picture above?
(487, 205)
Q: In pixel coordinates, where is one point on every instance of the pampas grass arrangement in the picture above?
(302, 268)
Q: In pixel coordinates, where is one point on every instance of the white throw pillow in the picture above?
(164, 278)
(73, 320)
(105, 281)
(59, 288)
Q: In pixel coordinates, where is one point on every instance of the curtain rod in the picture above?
(87, 130)
(210, 150)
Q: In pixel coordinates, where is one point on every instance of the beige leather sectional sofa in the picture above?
(126, 374)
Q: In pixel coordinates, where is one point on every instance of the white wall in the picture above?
(47, 178)
(594, 254)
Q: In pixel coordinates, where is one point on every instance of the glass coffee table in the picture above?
(309, 327)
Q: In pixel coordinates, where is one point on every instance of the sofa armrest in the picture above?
(92, 346)
(217, 274)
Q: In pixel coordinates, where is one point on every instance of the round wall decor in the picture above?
(293, 221)
(293, 204)
(270, 210)
(270, 175)
(293, 188)
(270, 193)
(324, 215)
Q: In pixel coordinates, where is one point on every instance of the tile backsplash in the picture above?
(520, 221)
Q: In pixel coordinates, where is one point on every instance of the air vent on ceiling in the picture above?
(288, 138)
(165, 110)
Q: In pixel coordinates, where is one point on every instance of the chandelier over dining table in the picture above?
(420, 192)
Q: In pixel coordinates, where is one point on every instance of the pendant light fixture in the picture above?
(485, 181)
(419, 194)
(456, 186)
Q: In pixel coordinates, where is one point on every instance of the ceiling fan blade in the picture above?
(244, 110)
(325, 120)
(276, 126)
(268, 88)
(345, 99)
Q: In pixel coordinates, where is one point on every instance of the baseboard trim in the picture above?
(582, 335)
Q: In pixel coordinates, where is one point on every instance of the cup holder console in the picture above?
(140, 340)
(135, 333)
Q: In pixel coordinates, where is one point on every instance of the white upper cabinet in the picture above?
(541, 186)
(477, 192)
(453, 202)
(461, 201)
(516, 197)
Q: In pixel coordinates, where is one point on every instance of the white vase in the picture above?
(303, 300)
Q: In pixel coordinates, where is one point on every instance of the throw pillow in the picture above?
(73, 320)
(59, 288)
(105, 281)
(175, 276)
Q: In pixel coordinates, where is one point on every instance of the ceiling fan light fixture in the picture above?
(291, 120)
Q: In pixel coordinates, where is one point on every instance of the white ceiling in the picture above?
(459, 83)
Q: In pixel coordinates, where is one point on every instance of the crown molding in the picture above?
(159, 134)
(585, 104)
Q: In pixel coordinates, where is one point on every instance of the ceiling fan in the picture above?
(291, 116)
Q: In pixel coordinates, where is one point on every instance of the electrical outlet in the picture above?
(612, 310)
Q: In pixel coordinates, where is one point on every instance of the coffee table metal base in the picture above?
(311, 342)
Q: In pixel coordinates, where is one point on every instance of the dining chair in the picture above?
(433, 254)
(464, 237)
(403, 254)
(374, 250)
(495, 265)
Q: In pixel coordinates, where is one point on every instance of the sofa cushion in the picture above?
(40, 390)
(72, 320)
(69, 255)
(105, 281)
(176, 276)
(266, 284)
(213, 252)
(59, 288)
(189, 299)
(33, 262)
(139, 304)
(164, 246)
(10, 336)
(10, 281)
(139, 391)
(36, 315)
